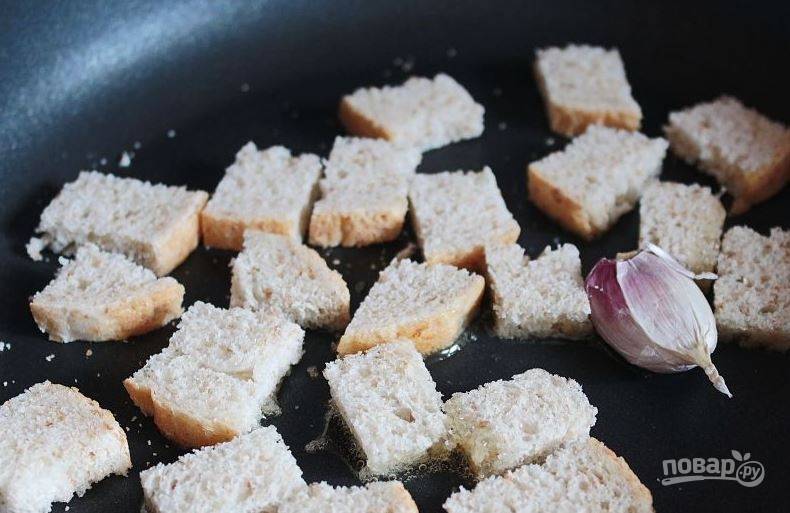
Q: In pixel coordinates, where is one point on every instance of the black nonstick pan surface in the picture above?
(184, 84)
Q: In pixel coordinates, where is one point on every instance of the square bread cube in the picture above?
(596, 179)
(584, 85)
(55, 442)
(423, 113)
(218, 376)
(276, 272)
(101, 296)
(427, 304)
(752, 295)
(389, 401)
(505, 424)
(745, 151)
(539, 298)
(375, 497)
(684, 220)
(253, 473)
(363, 193)
(153, 224)
(585, 476)
(269, 190)
(456, 214)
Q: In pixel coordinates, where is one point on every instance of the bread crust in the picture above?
(177, 426)
(168, 253)
(429, 335)
(559, 206)
(358, 124)
(641, 492)
(151, 308)
(352, 229)
(760, 185)
(572, 121)
(228, 233)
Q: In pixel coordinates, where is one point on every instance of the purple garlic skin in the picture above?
(649, 309)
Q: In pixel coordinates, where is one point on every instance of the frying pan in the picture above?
(183, 84)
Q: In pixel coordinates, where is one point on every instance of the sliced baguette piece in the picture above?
(363, 193)
(684, 220)
(596, 179)
(427, 304)
(583, 476)
(505, 424)
(55, 443)
(375, 497)
(423, 113)
(389, 401)
(276, 272)
(539, 298)
(752, 295)
(745, 151)
(218, 376)
(269, 190)
(456, 214)
(253, 473)
(101, 296)
(584, 85)
(153, 224)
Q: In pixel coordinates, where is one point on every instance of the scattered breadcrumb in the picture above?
(125, 160)
(312, 371)
(50, 357)
(549, 141)
(4, 346)
(336, 261)
(148, 442)
(34, 247)
(88, 353)
(171, 133)
(137, 145)
(103, 161)
(5, 383)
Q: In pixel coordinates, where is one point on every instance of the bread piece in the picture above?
(455, 214)
(684, 220)
(745, 151)
(539, 298)
(596, 179)
(101, 296)
(585, 476)
(363, 194)
(752, 294)
(427, 304)
(375, 497)
(55, 442)
(269, 190)
(505, 424)
(423, 113)
(389, 402)
(584, 85)
(279, 273)
(253, 473)
(218, 375)
(153, 224)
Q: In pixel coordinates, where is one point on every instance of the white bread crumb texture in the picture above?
(276, 272)
(604, 171)
(752, 294)
(585, 78)
(267, 185)
(375, 497)
(220, 371)
(459, 213)
(422, 112)
(390, 403)
(684, 220)
(99, 295)
(727, 138)
(249, 474)
(583, 476)
(538, 298)
(504, 424)
(125, 215)
(55, 443)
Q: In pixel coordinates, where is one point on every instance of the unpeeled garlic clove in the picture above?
(649, 309)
